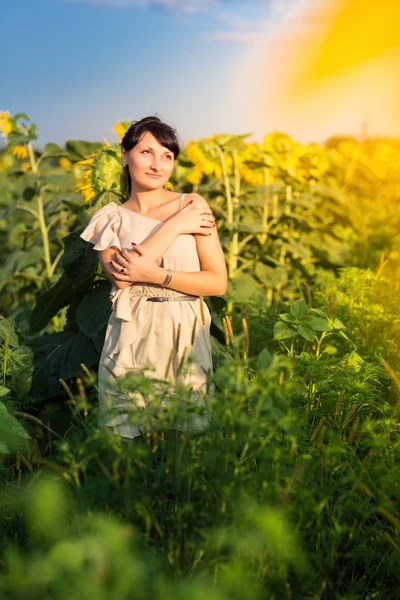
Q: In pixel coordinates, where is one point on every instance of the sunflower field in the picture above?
(293, 490)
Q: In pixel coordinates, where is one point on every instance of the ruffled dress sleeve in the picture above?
(103, 228)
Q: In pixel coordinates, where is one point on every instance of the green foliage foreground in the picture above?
(292, 491)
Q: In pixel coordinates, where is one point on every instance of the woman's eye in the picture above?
(168, 155)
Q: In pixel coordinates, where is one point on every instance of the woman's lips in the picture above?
(154, 176)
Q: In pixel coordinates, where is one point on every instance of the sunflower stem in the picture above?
(45, 234)
(32, 157)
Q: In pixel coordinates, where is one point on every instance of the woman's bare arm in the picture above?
(210, 281)
(155, 245)
(186, 220)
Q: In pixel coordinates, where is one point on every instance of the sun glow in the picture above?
(325, 67)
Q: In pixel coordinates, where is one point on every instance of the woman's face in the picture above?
(148, 158)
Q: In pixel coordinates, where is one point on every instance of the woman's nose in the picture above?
(156, 165)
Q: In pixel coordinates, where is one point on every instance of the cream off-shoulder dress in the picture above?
(141, 333)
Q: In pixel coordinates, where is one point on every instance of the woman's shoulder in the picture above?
(198, 200)
(102, 229)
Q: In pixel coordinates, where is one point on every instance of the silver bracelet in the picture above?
(168, 277)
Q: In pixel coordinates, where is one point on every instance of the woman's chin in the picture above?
(151, 184)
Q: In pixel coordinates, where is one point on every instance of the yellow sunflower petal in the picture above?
(19, 151)
(120, 129)
(5, 123)
(65, 162)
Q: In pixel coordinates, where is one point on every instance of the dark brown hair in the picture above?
(164, 134)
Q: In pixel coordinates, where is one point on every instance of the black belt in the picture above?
(170, 298)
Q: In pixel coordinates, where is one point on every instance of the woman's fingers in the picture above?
(120, 276)
(118, 260)
(117, 266)
(138, 248)
(203, 231)
(207, 222)
(126, 254)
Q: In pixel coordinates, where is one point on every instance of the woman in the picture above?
(160, 249)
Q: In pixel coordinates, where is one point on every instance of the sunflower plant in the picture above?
(19, 137)
(103, 173)
(299, 322)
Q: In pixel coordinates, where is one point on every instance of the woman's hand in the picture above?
(193, 220)
(135, 266)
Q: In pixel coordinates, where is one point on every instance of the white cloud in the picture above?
(234, 36)
(238, 23)
(239, 29)
(184, 6)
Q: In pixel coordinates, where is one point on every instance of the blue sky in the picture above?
(76, 67)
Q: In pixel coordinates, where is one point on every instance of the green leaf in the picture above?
(243, 288)
(321, 313)
(319, 324)
(19, 260)
(53, 149)
(7, 328)
(353, 360)
(330, 349)
(264, 359)
(59, 355)
(271, 276)
(263, 272)
(231, 141)
(92, 322)
(288, 318)
(297, 248)
(338, 324)
(16, 137)
(17, 235)
(283, 331)
(12, 434)
(220, 354)
(249, 227)
(79, 259)
(258, 164)
(218, 303)
(299, 309)
(225, 376)
(48, 304)
(306, 332)
(78, 149)
(21, 116)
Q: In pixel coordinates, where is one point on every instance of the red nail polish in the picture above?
(133, 244)
(191, 202)
(110, 262)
